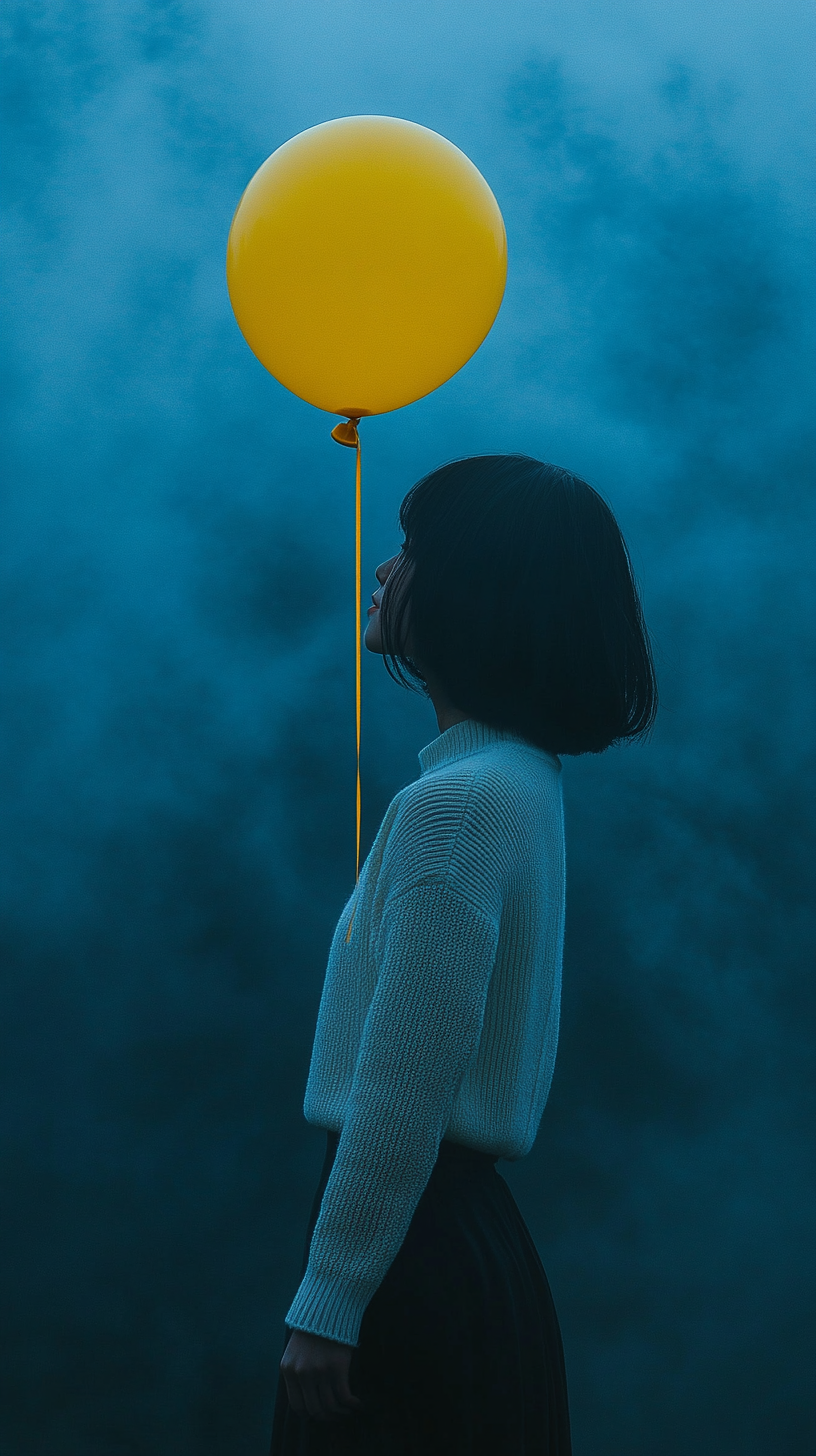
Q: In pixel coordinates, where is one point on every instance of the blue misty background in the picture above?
(178, 699)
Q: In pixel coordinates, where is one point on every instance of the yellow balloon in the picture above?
(366, 262)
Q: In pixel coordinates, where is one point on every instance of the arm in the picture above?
(436, 952)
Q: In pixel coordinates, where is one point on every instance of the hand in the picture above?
(316, 1372)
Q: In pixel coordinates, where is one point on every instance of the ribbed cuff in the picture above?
(329, 1307)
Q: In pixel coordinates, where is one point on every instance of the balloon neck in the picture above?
(346, 433)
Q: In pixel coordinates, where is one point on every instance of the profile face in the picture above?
(372, 636)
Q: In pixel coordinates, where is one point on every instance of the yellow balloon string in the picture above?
(348, 434)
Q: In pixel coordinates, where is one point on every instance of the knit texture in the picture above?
(439, 1018)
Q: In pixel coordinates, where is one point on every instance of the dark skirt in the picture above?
(459, 1350)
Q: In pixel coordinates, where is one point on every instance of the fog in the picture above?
(178, 703)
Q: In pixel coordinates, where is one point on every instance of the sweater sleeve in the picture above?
(436, 955)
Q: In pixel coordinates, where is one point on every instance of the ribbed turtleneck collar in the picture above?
(460, 741)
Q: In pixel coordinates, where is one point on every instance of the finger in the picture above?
(345, 1395)
(338, 1405)
(314, 1396)
(338, 1402)
(294, 1396)
(338, 1399)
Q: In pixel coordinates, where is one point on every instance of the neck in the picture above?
(446, 713)
(446, 717)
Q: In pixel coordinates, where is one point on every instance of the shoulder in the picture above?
(500, 778)
(433, 806)
(474, 812)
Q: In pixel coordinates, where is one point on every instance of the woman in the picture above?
(424, 1322)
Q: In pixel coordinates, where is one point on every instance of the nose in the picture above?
(384, 570)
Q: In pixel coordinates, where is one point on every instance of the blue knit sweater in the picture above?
(439, 1018)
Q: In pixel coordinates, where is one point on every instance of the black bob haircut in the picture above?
(514, 592)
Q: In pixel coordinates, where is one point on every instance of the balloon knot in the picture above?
(346, 433)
